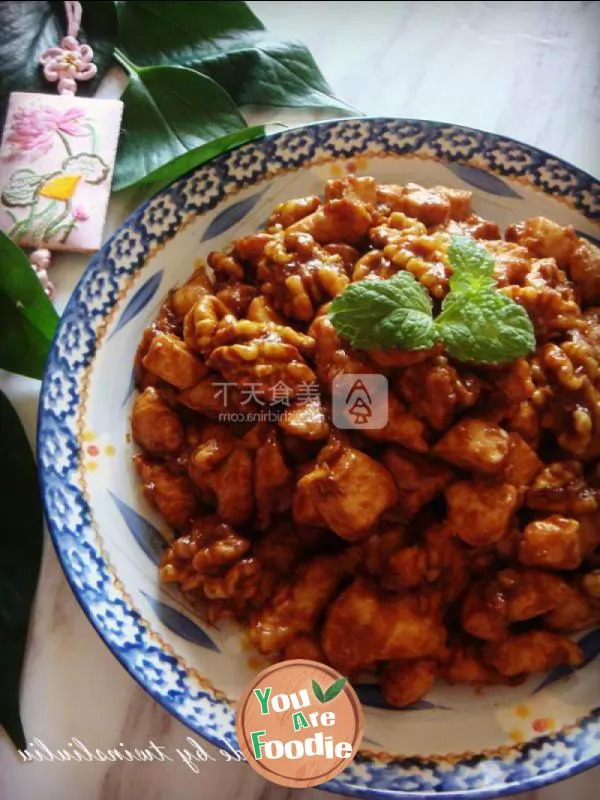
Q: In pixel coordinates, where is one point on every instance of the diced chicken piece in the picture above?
(528, 593)
(304, 647)
(536, 651)
(515, 380)
(575, 612)
(522, 463)
(169, 359)
(552, 543)
(405, 682)
(428, 205)
(441, 558)
(155, 426)
(378, 548)
(466, 665)
(212, 396)
(590, 584)
(480, 513)
(304, 511)
(184, 298)
(474, 444)
(402, 427)
(419, 479)
(474, 226)
(213, 446)
(584, 270)
(223, 467)
(545, 239)
(459, 199)
(173, 495)
(232, 485)
(350, 491)
(589, 533)
(483, 611)
(364, 626)
(435, 391)
(272, 480)
(296, 606)
(401, 359)
(523, 419)
(361, 189)
(306, 418)
(390, 196)
(561, 488)
(342, 220)
(407, 568)
(513, 596)
(448, 561)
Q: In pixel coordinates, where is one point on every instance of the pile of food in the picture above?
(458, 541)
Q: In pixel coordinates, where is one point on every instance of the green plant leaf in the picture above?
(472, 265)
(385, 314)
(166, 174)
(28, 28)
(318, 692)
(173, 28)
(227, 42)
(27, 318)
(485, 327)
(20, 556)
(169, 111)
(335, 688)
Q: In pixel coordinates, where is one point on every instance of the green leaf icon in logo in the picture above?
(318, 691)
(330, 693)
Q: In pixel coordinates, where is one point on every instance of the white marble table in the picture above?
(526, 69)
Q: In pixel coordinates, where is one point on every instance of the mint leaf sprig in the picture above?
(477, 323)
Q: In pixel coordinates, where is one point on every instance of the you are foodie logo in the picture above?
(299, 723)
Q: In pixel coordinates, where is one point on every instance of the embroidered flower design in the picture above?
(80, 213)
(67, 64)
(33, 129)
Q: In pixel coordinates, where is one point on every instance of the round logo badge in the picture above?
(299, 723)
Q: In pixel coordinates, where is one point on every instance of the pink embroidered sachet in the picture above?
(56, 164)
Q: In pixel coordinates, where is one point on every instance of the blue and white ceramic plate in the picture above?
(109, 539)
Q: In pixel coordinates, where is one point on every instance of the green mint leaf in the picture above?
(318, 692)
(472, 265)
(395, 313)
(335, 688)
(485, 327)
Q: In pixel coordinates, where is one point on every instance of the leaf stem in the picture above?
(55, 225)
(128, 65)
(64, 140)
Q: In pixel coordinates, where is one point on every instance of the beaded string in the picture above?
(64, 65)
